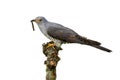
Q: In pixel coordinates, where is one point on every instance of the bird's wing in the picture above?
(63, 34)
(67, 35)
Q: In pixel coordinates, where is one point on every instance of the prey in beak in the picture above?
(37, 20)
(33, 24)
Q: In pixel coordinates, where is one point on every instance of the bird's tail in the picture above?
(86, 41)
(101, 48)
(94, 44)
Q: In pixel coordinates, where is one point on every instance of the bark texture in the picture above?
(51, 52)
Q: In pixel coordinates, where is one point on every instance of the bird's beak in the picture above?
(33, 24)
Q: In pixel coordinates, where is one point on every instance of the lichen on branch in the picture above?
(51, 52)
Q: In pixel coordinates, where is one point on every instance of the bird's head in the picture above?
(38, 20)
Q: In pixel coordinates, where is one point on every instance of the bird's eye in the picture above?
(40, 19)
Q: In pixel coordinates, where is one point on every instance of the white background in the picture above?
(21, 56)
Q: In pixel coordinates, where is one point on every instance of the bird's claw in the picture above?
(51, 45)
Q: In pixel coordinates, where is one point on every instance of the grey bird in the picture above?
(60, 34)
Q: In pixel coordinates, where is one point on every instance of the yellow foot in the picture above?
(51, 45)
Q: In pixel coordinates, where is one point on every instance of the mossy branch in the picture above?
(51, 52)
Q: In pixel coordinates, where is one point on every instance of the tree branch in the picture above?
(51, 52)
